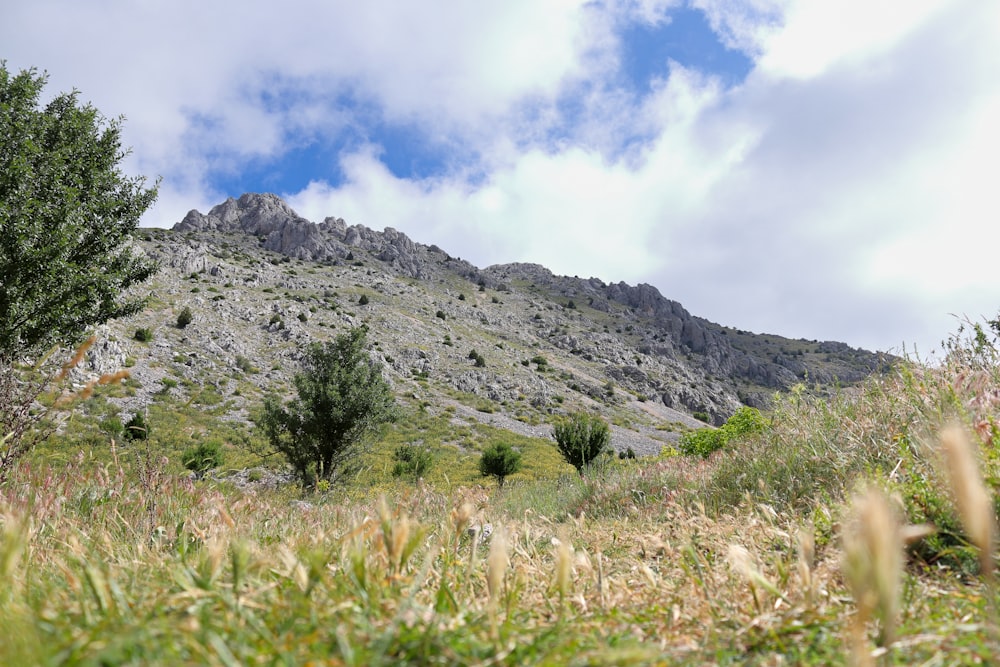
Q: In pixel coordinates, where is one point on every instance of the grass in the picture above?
(785, 547)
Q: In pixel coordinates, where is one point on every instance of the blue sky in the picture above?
(812, 169)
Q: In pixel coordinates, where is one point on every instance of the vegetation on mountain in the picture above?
(704, 441)
(342, 400)
(500, 461)
(582, 438)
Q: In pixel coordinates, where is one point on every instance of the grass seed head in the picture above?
(873, 560)
(971, 496)
(496, 564)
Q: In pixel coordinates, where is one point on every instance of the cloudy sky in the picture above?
(813, 168)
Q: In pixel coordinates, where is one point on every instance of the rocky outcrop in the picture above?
(280, 229)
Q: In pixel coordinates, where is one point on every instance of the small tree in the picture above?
(500, 461)
(342, 400)
(581, 438)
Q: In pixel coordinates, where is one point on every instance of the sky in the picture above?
(815, 169)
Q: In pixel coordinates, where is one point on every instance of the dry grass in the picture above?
(656, 562)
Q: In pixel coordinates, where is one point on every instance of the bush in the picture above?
(363, 300)
(137, 428)
(703, 442)
(581, 438)
(202, 457)
(184, 318)
(412, 461)
(440, 315)
(478, 358)
(144, 335)
(500, 461)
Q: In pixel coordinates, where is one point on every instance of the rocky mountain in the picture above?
(261, 282)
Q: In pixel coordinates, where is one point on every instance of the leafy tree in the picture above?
(67, 213)
(581, 438)
(342, 400)
(500, 461)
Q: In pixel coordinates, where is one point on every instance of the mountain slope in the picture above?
(262, 281)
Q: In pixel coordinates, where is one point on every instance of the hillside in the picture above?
(261, 282)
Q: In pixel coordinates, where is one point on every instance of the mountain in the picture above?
(262, 281)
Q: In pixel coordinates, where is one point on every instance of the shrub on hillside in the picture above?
(581, 438)
(202, 457)
(411, 461)
(136, 428)
(184, 318)
(500, 461)
(704, 441)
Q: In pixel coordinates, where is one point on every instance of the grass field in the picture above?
(810, 543)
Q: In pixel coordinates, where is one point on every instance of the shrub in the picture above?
(500, 461)
(144, 335)
(478, 358)
(581, 438)
(245, 364)
(363, 300)
(702, 417)
(202, 457)
(411, 461)
(136, 428)
(440, 315)
(184, 318)
(703, 442)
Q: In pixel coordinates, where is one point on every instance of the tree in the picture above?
(67, 213)
(500, 461)
(342, 400)
(581, 438)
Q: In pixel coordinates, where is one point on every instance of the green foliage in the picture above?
(184, 318)
(702, 416)
(581, 438)
(136, 428)
(363, 300)
(703, 442)
(412, 461)
(66, 214)
(440, 315)
(144, 335)
(500, 461)
(342, 400)
(202, 457)
(478, 358)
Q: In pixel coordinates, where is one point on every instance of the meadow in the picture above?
(844, 533)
